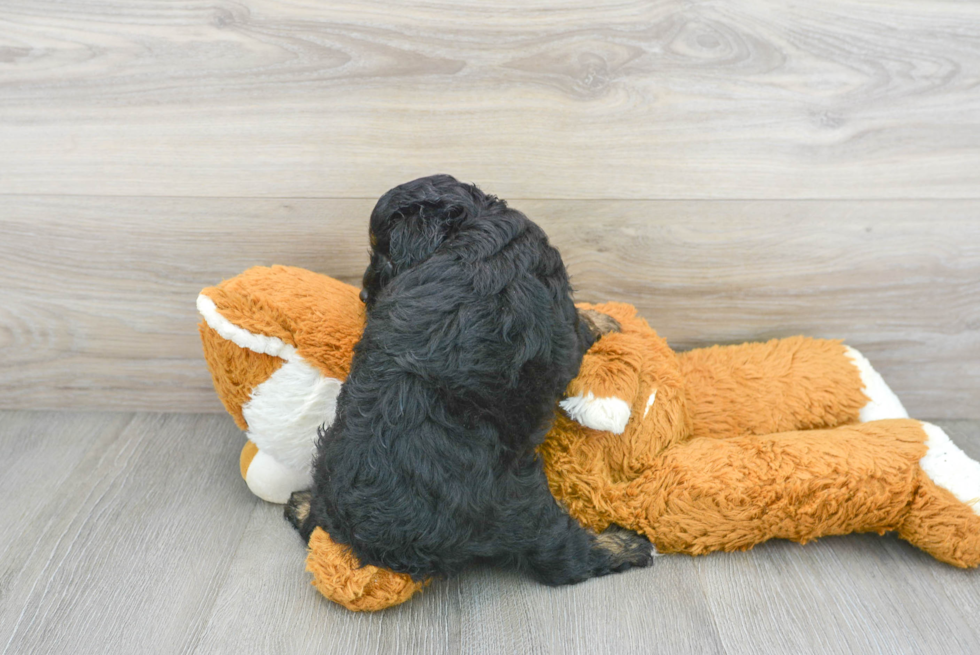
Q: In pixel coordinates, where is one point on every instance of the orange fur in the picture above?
(942, 526)
(761, 388)
(245, 460)
(235, 371)
(338, 575)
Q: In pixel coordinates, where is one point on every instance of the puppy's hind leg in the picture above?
(563, 552)
(626, 549)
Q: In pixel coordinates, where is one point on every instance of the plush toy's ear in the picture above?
(608, 388)
(602, 394)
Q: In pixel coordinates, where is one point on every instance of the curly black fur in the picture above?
(471, 338)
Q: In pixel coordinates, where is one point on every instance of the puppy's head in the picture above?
(411, 221)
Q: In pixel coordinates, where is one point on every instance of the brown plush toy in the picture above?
(714, 449)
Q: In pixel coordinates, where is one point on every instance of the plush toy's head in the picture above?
(279, 343)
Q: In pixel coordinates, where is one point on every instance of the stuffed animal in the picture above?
(713, 449)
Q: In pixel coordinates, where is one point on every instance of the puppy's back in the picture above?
(452, 386)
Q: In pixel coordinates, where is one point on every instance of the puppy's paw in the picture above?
(298, 511)
(626, 549)
(599, 323)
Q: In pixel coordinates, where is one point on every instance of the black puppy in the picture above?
(471, 337)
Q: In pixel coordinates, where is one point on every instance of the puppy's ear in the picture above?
(420, 229)
(412, 220)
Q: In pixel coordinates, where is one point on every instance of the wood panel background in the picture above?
(737, 171)
(539, 98)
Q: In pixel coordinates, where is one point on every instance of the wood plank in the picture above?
(136, 549)
(660, 609)
(267, 583)
(851, 594)
(482, 611)
(40, 453)
(571, 99)
(97, 294)
(129, 555)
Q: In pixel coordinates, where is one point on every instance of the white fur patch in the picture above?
(285, 411)
(951, 468)
(240, 336)
(646, 410)
(609, 414)
(882, 403)
(268, 479)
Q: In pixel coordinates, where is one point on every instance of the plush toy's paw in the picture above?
(626, 548)
(270, 479)
(882, 401)
(943, 518)
(340, 577)
(606, 414)
(950, 467)
(599, 323)
(297, 512)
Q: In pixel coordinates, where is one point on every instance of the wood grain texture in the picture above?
(850, 606)
(138, 535)
(38, 457)
(267, 605)
(130, 551)
(545, 99)
(97, 294)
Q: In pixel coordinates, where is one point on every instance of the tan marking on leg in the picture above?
(625, 548)
(298, 508)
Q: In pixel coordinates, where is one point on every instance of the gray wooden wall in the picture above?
(738, 171)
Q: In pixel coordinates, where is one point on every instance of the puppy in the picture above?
(471, 338)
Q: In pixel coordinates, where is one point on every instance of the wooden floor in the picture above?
(133, 533)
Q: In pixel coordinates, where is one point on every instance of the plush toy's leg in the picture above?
(268, 478)
(732, 494)
(944, 518)
(882, 401)
(781, 385)
(340, 577)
